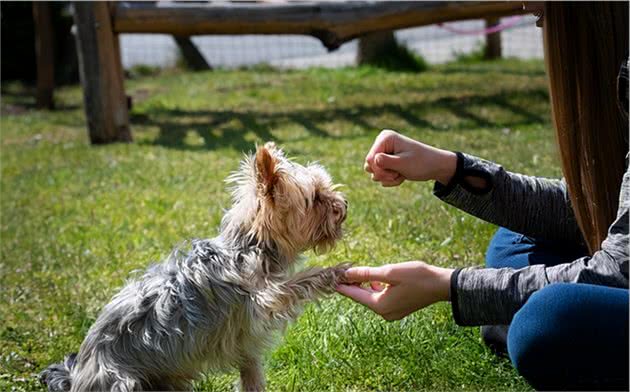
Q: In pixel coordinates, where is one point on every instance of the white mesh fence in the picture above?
(435, 44)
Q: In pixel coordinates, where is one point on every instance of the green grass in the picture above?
(77, 219)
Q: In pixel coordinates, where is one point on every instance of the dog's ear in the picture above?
(274, 150)
(266, 174)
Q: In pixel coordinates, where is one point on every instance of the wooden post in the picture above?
(373, 46)
(192, 56)
(101, 73)
(44, 52)
(493, 41)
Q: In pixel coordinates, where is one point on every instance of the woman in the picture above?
(557, 270)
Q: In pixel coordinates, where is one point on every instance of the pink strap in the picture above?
(510, 22)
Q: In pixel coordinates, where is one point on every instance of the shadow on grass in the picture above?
(228, 128)
(19, 99)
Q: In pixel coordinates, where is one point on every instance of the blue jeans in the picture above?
(567, 335)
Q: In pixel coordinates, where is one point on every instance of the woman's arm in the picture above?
(536, 207)
(533, 206)
(492, 296)
(488, 296)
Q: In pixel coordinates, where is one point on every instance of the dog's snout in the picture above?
(341, 210)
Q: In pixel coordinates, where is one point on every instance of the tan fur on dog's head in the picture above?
(284, 204)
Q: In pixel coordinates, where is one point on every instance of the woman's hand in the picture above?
(395, 158)
(397, 290)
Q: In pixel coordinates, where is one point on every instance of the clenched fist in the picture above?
(395, 158)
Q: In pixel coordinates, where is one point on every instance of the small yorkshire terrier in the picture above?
(216, 306)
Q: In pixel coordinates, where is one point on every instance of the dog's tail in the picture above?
(57, 376)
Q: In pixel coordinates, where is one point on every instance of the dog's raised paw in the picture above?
(340, 272)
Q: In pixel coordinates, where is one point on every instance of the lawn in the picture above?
(76, 220)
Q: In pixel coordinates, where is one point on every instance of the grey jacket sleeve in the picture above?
(533, 206)
(482, 296)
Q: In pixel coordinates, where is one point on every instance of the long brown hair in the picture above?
(585, 45)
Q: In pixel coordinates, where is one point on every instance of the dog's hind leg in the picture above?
(252, 375)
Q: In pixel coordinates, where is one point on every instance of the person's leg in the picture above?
(572, 336)
(514, 250)
(506, 249)
(510, 249)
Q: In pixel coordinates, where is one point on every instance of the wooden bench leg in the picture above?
(101, 73)
(493, 41)
(44, 51)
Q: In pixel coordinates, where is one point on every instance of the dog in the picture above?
(216, 304)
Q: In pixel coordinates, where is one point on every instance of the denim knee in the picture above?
(514, 250)
(565, 338)
(531, 332)
(508, 249)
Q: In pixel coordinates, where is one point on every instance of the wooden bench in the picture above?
(333, 23)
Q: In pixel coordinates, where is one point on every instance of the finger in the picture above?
(384, 142)
(395, 177)
(376, 178)
(392, 183)
(367, 167)
(358, 294)
(381, 178)
(393, 316)
(387, 161)
(382, 174)
(367, 274)
(368, 287)
(377, 286)
(379, 174)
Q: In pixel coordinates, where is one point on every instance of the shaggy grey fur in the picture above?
(215, 305)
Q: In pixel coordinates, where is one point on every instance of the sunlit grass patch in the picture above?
(76, 220)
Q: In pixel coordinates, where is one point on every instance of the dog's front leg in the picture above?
(284, 299)
(252, 375)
